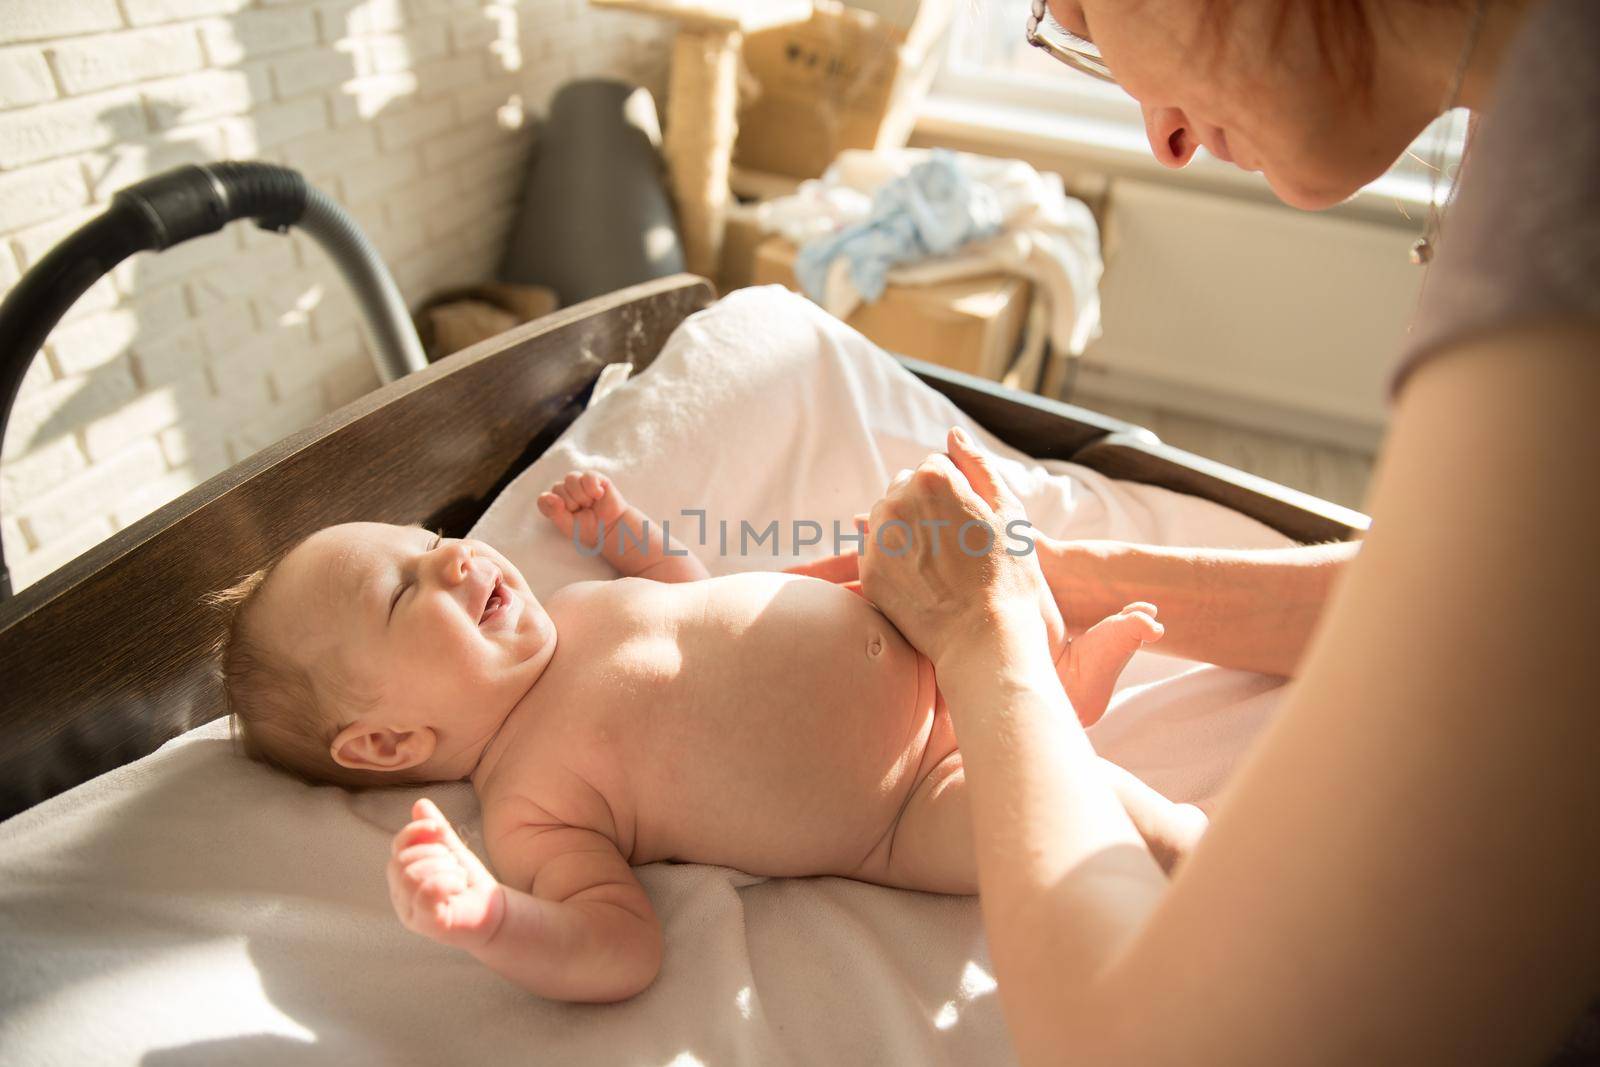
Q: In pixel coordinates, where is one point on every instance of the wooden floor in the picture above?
(1335, 474)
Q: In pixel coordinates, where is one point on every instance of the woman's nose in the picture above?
(1172, 138)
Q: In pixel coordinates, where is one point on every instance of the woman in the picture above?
(1406, 870)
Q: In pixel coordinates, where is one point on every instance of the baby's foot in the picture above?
(438, 887)
(1090, 666)
(583, 499)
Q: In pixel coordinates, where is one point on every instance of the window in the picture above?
(990, 60)
(991, 76)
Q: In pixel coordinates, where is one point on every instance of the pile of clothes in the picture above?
(919, 217)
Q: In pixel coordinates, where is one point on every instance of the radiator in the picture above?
(1251, 312)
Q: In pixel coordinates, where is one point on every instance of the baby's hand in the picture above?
(584, 499)
(438, 887)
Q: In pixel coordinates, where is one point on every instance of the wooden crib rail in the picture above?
(107, 658)
(1036, 425)
(1050, 429)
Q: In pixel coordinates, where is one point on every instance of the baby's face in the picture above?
(444, 633)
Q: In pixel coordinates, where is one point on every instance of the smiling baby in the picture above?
(769, 722)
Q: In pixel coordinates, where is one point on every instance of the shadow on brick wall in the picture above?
(185, 362)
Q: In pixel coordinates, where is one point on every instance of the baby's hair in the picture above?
(279, 713)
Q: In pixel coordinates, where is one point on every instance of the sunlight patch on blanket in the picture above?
(975, 982)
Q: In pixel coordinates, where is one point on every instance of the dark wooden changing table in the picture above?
(106, 659)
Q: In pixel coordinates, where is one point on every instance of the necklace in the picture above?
(1423, 247)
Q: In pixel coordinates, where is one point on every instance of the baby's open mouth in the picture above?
(499, 597)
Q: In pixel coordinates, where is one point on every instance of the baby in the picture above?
(770, 722)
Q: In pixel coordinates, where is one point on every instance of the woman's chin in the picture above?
(1313, 197)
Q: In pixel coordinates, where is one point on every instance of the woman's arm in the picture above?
(1254, 609)
(1404, 870)
(1251, 608)
(1406, 867)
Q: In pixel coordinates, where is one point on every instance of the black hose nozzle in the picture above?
(195, 200)
(186, 202)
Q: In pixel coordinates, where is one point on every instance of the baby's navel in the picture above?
(875, 645)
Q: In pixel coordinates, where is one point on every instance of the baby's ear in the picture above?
(363, 747)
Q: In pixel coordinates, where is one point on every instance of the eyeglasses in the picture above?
(1060, 43)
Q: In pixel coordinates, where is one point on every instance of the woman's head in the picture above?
(1320, 96)
(377, 654)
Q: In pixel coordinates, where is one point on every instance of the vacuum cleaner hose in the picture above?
(190, 201)
(399, 351)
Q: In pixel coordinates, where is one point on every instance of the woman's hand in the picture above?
(950, 561)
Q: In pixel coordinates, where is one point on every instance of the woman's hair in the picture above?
(279, 712)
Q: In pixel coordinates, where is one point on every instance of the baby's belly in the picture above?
(788, 741)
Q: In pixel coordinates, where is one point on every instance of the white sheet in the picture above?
(197, 908)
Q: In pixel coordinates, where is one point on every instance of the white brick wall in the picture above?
(180, 364)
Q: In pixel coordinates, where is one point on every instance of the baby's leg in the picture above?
(931, 849)
(1170, 831)
(930, 846)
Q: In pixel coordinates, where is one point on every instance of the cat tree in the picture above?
(703, 105)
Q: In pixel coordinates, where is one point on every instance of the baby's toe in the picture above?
(1138, 621)
(1145, 628)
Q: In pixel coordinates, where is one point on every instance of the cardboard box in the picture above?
(973, 325)
(851, 77)
(741, 238)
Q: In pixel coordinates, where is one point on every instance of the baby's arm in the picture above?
(583, 931)
(585, 504)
